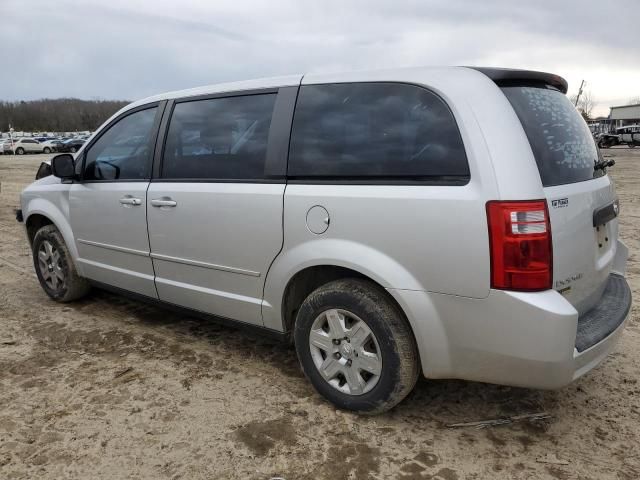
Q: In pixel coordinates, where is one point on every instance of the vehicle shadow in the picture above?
(432, 403)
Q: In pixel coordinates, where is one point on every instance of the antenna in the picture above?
(579, 93)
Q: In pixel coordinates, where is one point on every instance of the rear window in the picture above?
(363, 131)
(560, 139)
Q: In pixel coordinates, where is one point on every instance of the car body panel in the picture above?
(234, 232)
(110, 237)
(583, 254)
(49, 197)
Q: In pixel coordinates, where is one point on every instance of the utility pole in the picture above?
(579, 93)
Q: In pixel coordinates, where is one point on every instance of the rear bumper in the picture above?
(534, 340)
(606, 317)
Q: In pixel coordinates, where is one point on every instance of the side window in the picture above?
(375, 130)
(124, 151)
(220, 138)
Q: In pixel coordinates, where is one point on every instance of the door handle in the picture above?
(163, 202)
(130, 201)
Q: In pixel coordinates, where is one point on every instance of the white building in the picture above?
(625, 115)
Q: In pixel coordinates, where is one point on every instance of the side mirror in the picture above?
(44, 170)
(63, 166)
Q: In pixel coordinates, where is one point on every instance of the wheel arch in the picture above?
(415, 306)
(320, 261)
(329, 257)
(305, 281)
(35, 222)
(41, 212)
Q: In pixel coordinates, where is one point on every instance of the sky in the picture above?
(130, 49)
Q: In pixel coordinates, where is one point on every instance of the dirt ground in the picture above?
(113, 388)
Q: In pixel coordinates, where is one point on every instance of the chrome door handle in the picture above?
(163, 202)
(130, 201)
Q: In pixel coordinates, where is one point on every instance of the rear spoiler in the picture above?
(506, 76)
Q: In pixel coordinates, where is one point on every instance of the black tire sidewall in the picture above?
(53, 236)
(374, 315)
(19, 151)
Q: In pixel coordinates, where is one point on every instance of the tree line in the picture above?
(56, 115)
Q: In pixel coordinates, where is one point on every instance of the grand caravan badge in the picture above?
(560, 203)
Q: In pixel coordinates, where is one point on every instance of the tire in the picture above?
(632, 145)
(46, 150)
(385, 340)
(73, 150)
(19, 151)
(54, 267)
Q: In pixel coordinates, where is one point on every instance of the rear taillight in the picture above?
(520, 245)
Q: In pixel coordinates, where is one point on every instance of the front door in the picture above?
(108, 207)
(215, 218)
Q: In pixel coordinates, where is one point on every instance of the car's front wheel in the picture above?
(54, 267)
(356, 347)
(73, 149)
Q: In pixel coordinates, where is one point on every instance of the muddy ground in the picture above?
(113, 388)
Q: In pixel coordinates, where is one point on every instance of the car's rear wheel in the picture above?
(19, 151)
(46, 150)
(73, 149)
(356, 347)
(54, 267)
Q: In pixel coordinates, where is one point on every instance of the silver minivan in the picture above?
(450, 222)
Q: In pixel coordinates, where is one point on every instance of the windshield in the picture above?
(560, 139)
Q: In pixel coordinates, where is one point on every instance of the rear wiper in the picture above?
(602, 164)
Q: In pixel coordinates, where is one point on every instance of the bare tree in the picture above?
(56, 115)
(634, 101)
(586, 103)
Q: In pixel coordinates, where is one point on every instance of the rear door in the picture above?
(215, 208)
(580, 197)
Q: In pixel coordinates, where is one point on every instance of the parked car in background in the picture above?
(629, 135)
(70, 146)
(2, 142)
(49, 146)
(378, 220)
(21, 146)
(607, 140)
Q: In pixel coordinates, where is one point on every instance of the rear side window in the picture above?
(560, 139)
(219, 138)
(369, 131)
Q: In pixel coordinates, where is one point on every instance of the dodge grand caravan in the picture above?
(454, 222)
